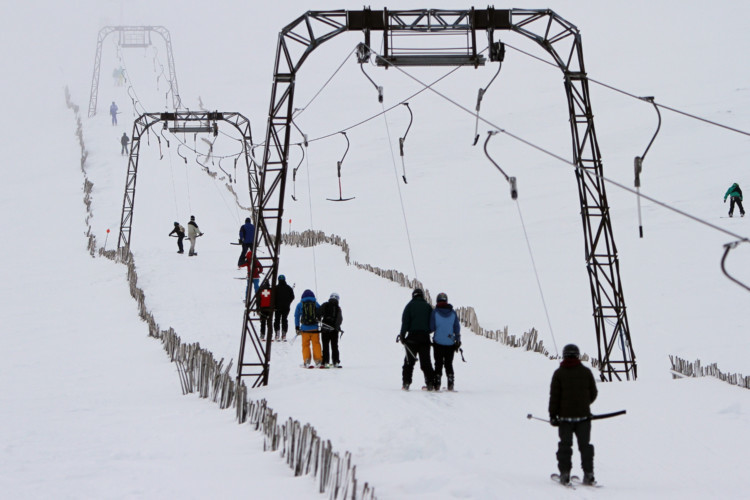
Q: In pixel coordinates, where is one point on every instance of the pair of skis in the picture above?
(574, 481)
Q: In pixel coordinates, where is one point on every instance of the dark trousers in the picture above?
(124, 149)
(425, 363)
(330, 338)
(243, 254)
(732, 201)
(444, 357)
(179, 243)
(265, 321)
(582, 430)
(281, 319)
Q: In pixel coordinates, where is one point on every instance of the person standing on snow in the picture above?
(265, 311)
(124, 140)
(306, 317)
(247, 235)
(331, 318)
(179, 231)
(415, 337)
(193, 232)
(446, 340)
(113, 111)
(253, 273)
(572, 391)
(735, 197)
(284, 298)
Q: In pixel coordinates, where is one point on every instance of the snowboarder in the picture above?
(735, 197)
(253, 272)
(572, 391)
(247, 235)
(284, 295)
(446, 340)
(124, 140)
(331, 318)
(306, 317)
(265, 311)
(179, 231)
(113, 111)
(415, 337)
(193, 232)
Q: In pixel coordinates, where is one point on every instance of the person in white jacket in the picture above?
(193, 232)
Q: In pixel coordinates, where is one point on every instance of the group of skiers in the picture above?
(193, 233)
(313, 321)
(418, 320)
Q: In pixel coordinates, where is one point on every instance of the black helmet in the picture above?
(571, 351)
(442, 297)
(417, 293)
(176, 223)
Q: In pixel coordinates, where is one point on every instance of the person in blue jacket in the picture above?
(446, 340)
(247, 235)
(306, 322)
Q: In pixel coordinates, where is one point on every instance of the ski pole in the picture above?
(530, 416)
(461, 351)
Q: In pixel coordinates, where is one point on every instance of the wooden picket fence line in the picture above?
(199, 372)
(682, 368)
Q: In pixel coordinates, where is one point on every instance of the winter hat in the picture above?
(247, 219)
(417, 293)
(571, 351)
(442, 297)
(308, 293)
(282, 277)
(176, 223)
(192, 217)
(334, 296)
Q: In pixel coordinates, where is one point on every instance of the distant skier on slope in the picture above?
(284, 295)
(124, 141)
(331, 318)
(735, 197)
(415, 337)
(247, 235)
(572, 391)
(265, 310)
(193, 232)
(446, 340)
(178, 231)
(253, 272)
(306, 317)
(113, 111)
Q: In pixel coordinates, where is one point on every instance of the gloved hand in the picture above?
(725, 200)
(296, 329)
(457, 345)
(554, 420)
(402, 338)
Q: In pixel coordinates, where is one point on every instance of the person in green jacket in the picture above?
(735, 196)
(415, 337)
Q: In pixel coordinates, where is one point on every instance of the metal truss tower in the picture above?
(557, 36)
(133, 37)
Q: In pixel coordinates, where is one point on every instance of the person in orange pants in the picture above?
(306, 322)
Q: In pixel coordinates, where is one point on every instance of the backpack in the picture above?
(309, 313)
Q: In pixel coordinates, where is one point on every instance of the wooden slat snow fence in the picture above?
(199, 372)
(682, 368)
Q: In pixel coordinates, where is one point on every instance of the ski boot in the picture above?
(588, 479)
(565, 477)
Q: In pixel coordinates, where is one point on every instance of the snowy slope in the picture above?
(90, 407)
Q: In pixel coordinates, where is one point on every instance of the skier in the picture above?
(247, 235)
(193, 233)
(735, 196)
(113, 111)
(284, 295)
(124, 140)
(415, 337)
(306, 317)
(331, 318)
(265, 310)
(253, 273)
(446, 340)
(180, 232)
(572, 390)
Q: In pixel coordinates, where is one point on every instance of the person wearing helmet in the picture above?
(306, 322)
(330, 326)
(572, 391)
(446, 340)
(415, 337)
(178, 231)
(284, 298)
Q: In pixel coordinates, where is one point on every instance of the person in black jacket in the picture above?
(178, 231)
(331, 318)
(415, 337)
(572, 391)
(284, 298)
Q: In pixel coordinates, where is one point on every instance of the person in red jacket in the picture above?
(253, 271)
(265, 310)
